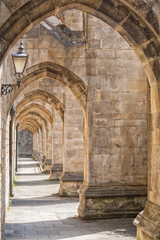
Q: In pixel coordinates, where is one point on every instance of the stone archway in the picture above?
(38, 107)
(45, 96)
(58, 73)
(141, 30)
(33, 113)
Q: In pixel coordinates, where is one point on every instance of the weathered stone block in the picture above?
(47, 165)
(70, 183)
(56, 171)
(97, 202)
(148, 222)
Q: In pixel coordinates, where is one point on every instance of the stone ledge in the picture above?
(41, 163)
(70, 176)
(113, 190)
(57, 167)
(148, 221)
(70, 183)
(111, 201)
(47, 165)
(56, 171)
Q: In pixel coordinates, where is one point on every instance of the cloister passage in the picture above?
(89, 103)
(37, 212)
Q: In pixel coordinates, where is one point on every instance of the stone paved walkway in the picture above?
(37, 212)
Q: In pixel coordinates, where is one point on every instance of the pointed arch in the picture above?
(37, 108)
(58, 73)
(44, 96)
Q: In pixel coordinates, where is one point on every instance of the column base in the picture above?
(35, 155)
(148, 223)
(70, 183)
(47, 165)
(41, 161)
(56, 172)
(111, 201)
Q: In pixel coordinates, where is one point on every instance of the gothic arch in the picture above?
(29, 124)
(46, 97)
(136, 22)
(59, 73)
(38, 108)
(21, 128)
(23, 114)
(34, 120)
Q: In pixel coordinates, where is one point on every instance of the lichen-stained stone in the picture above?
(4, 13)
(3, 46)
(99, 202)
(139, 34)
(14, 5)
(114, 10)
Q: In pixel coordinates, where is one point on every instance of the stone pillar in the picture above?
(12, 112)
(41, 140)
(49, 143)
(148, 221)
(73, 160)
(34, 145)
(38, 141)
(16, 164)
(115, 182)
(57, 161)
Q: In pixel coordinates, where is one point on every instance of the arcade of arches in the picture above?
(89, 101)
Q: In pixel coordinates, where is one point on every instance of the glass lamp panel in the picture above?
(19, 63)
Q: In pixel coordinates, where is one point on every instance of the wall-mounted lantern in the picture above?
(20, 60)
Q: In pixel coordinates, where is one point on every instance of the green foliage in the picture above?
(15, 180)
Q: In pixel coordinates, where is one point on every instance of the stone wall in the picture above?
(25, 144)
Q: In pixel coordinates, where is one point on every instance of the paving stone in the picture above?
(39, 213)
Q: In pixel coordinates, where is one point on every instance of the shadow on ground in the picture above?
(72, 227)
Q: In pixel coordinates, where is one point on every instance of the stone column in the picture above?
(34, 145)
(16, 164)
(148, 221)
(48, 160)
(115, 166)
(73, 160)
(57, 161)
(12, 112)
(41, 140)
